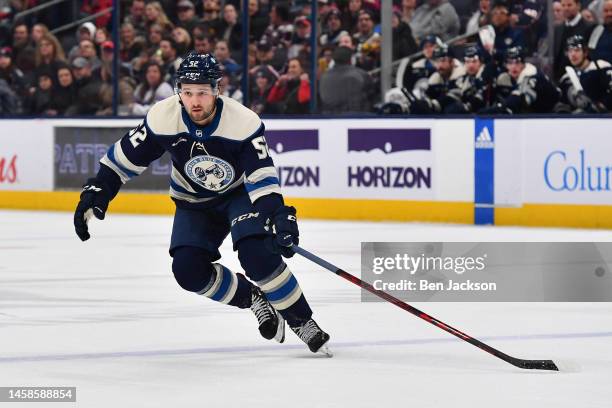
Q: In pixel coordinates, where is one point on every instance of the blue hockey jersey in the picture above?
(208, 162)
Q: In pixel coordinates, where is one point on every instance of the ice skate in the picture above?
(271, 323)
(315, 338)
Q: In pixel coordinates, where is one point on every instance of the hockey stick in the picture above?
(518, 362)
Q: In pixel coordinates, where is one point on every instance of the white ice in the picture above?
(107, 317)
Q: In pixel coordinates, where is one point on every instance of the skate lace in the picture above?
(307, 331)
(261, 309)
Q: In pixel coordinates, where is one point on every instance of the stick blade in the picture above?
(535, 364)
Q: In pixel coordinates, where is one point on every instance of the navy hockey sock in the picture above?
(194, 272)
(275, 279)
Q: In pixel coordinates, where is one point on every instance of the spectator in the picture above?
(351, 15)
(263, 84)
(136, 17)
(230, 88)
(408, 9)
(301, 37)
(130, 45)
(49, 56)
(87, 31)
(403, 41)
(151, 91)
(291, 92)
(525, 16)
(367, 42)
(558, 16)
(102, 35)
(574, 24)
(156, 33)
(65, 92)
(280, 30)
(597, 7)
(230, 30)
(435, 17)
(224, 58)
(212, 11)
(9, 101)
(88, 89)
(601, 38)
(169, 58)
(13, 76)
(333, 28)
(23, 52)
(187, 18)
(505, 36)
(155, 15)
(87, 50)
(259, 21)
(90, 7)
(203, 44)
(344, 88)
(268, 55)
(480, 17)
(182, 39)
(38, 30)
(40, 100)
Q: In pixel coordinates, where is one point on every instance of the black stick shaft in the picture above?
(528, 364)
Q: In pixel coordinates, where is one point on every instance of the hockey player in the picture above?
(523, 88)
(442, 89)
(589, 87)
(475, 87)
(223, 181)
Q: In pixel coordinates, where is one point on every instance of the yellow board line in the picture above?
(338, 209)
(549, 215)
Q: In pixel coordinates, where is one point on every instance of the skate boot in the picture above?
(315, 338)
(271, 323)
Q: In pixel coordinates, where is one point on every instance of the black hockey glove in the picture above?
(286, 229)
(94, 198)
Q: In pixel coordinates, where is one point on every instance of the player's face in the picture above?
(199, 101)
(444, 66)
(514, 68)
(472, 65)
(576, 56)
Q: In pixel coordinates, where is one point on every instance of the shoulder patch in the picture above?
(165, 118)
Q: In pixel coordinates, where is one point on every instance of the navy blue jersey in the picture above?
(445, 91)
(596, 82)
(532, 92)
(208, 162)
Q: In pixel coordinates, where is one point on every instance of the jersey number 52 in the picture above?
(138, 135)
(259, 143)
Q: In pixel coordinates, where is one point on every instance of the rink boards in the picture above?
(485, 171)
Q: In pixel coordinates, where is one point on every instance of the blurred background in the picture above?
(118, 57)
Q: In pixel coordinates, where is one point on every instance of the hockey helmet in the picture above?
(515, 54)
(198, 69)
(472, 52)
(441, 51)
(575, 41)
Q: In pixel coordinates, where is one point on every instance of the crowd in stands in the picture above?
(499, 65)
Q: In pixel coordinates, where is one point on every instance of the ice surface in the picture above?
(107, 317)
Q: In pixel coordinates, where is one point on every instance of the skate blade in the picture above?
(325, 351)
(280, 329)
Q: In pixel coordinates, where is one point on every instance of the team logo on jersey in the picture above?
(210, 172)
